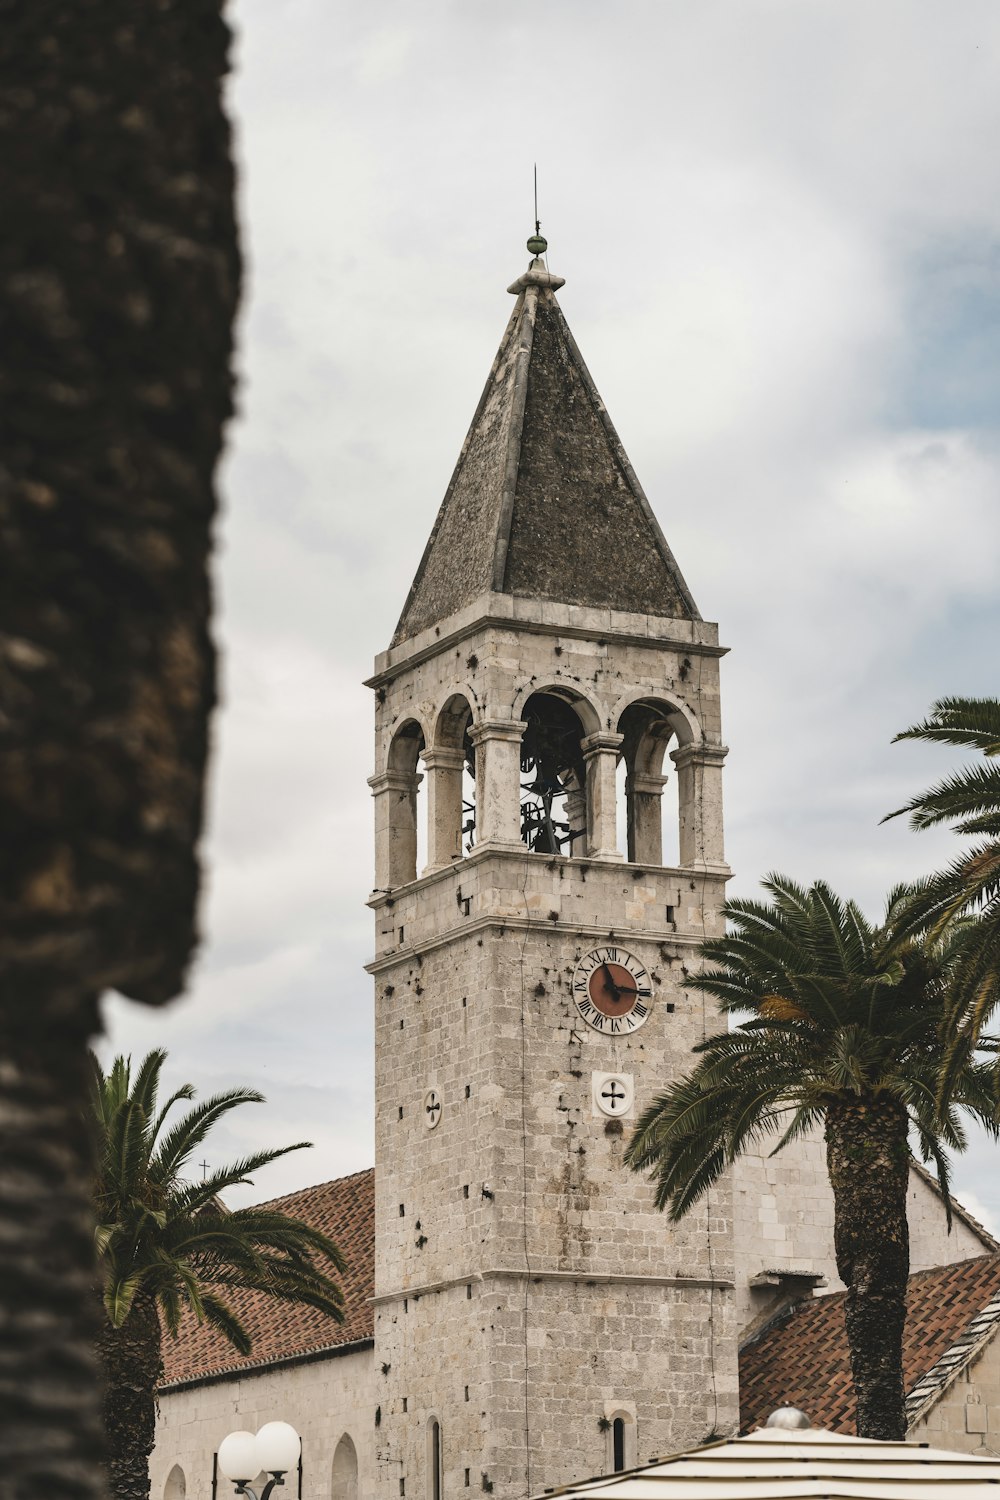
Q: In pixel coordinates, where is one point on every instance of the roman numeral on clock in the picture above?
(609, 987)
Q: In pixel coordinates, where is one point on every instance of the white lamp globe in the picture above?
(238, 1457)
(278, 1447)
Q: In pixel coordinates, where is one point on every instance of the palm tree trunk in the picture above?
(132, 1361)
(51, 1441)
(868, 1161)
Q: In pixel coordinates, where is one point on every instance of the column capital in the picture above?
(699, 755)
(444, 758)
(394, 781)
(601, 742)
(497, 729)
(645, 782)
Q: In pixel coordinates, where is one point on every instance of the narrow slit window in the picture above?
(436, 1475)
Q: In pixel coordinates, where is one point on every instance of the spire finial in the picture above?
(537, 244)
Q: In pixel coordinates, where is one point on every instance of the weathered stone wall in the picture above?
(323, 1400)
(525, 1287)
(783, 1221)
(967, 1416)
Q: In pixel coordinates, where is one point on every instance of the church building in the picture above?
(516, 1307)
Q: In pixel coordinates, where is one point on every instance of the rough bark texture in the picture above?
(131, 1360)
(50, 1438)
(868, 1162)
(118, 280)
(119, 275)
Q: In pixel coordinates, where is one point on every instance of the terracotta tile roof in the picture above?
(802, 1357)
(345, 1210)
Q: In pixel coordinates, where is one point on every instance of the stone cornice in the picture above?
(472, 623)
(520, 852)
(587, 1278)
(598, 934)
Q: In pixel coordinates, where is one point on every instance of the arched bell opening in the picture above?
(403, 812)
(651, 815)
(450, 764)
(621, 807)
(553, 807)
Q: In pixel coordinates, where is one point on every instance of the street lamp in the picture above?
(274, 1450)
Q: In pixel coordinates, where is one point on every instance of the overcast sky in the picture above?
(779, 224)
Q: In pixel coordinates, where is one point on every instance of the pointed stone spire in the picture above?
(543, 502)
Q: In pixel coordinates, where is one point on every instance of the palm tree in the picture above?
(843, 1032)
(166, 1244)
(969, 799)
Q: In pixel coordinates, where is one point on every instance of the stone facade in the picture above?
(526, 1290)
(783, 1228)
(967, 1415)
(326, 1401)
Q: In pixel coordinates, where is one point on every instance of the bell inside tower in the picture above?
(553, 777)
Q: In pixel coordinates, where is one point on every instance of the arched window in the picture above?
(621, 1434)
(176, 1485)
(649, 728)
(435, 1461)
(618, 1444)
(398, 819)
(344, 1475)
(451, 775)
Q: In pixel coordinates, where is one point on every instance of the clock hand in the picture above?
(610, 984)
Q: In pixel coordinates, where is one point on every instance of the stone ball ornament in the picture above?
(789, 1418)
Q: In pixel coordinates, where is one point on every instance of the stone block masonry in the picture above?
(525, 1285)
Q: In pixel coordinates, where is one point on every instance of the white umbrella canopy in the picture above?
(781, 1464)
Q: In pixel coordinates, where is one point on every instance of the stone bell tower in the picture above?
(536, 1321)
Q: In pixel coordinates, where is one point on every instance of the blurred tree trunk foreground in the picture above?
(119, 278)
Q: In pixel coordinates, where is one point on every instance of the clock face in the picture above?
(612, 991)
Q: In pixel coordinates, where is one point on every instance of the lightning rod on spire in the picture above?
(537, 244)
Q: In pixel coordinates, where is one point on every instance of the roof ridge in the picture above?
(542, 487)
(956, 1358)
(623, 461)
(958, 1209)
(314, 1187)
(526, 307)
(463, 454)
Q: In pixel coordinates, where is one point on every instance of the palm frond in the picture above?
(189, 1133)
(973, 722)
(173, 1241)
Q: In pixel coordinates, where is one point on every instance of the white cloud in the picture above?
(767, 215)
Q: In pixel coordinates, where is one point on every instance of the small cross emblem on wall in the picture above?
(614, 1096)
(432, 1109)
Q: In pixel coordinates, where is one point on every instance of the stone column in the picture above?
(498, 782)
(444, 806)
(600, 754)
(395, 794)
(576, 817)
(645, 818)
(699, 798)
